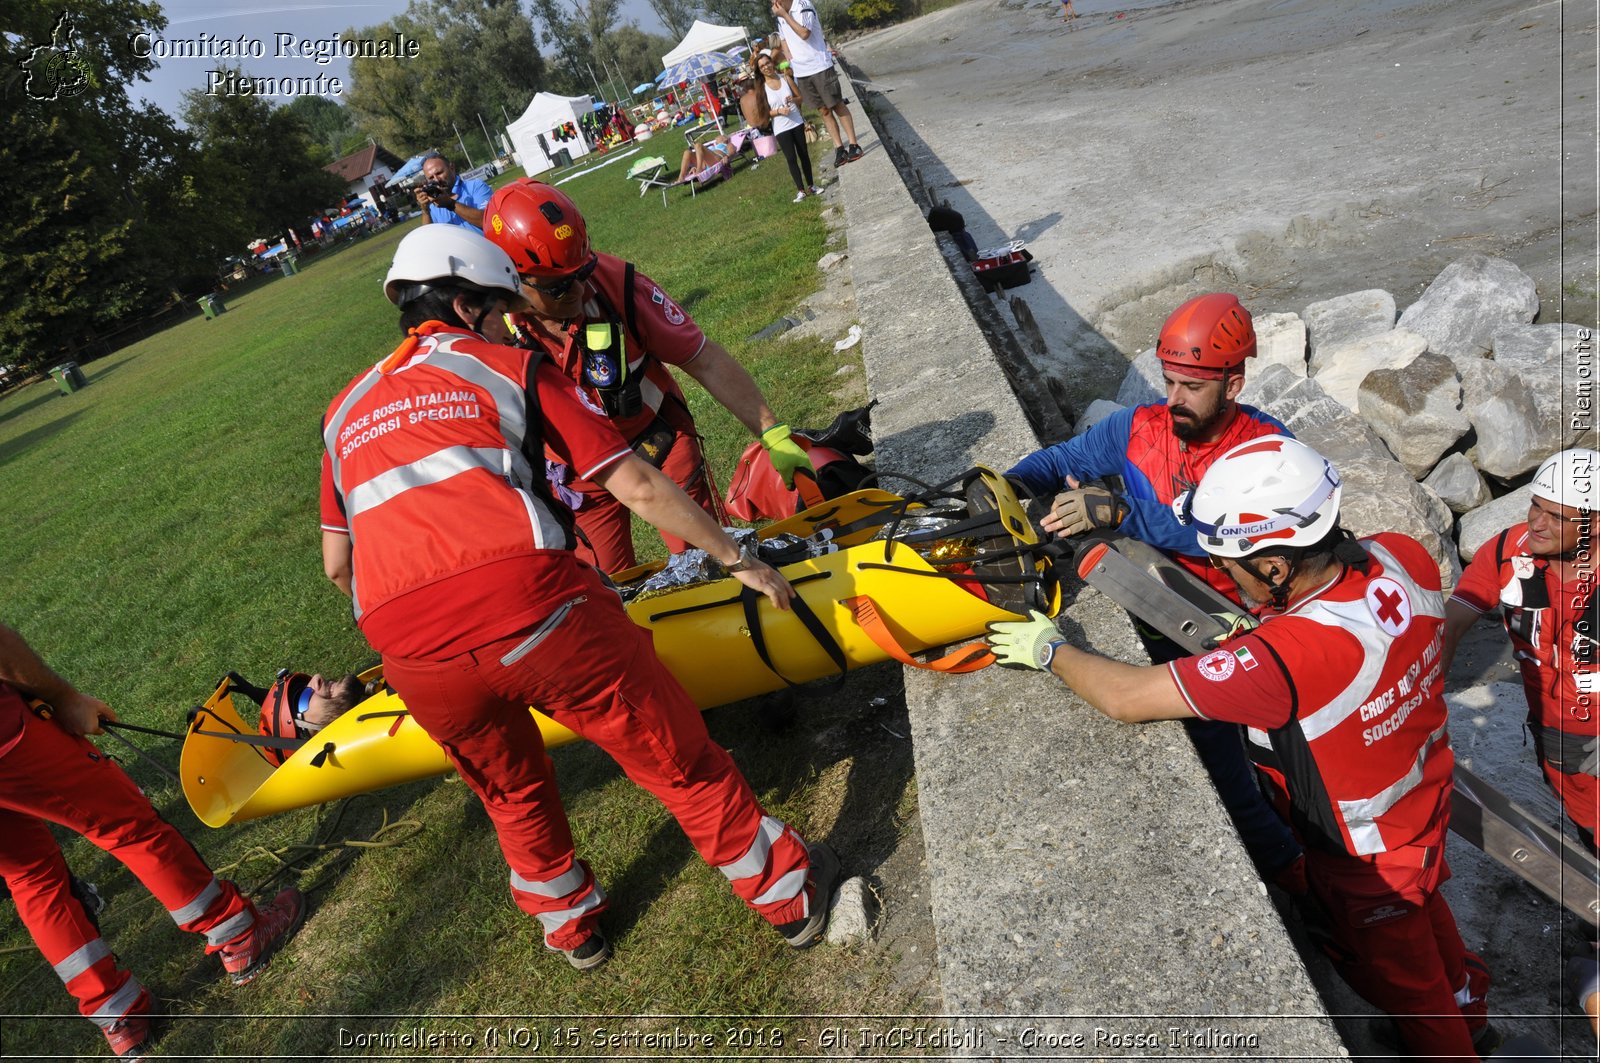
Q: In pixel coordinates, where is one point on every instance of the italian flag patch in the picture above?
(1246, 658)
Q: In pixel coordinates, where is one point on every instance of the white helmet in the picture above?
(1271, 491)
(439, 252)
(1570, 478)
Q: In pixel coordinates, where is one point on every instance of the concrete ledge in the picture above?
(1086, 884)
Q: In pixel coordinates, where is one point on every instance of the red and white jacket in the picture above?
(1343, 698)
(1552, 627)
(455, 537)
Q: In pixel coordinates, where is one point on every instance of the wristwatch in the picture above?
(747, 557)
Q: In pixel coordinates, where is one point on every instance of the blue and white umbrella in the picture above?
(699, 67)
(648, 86)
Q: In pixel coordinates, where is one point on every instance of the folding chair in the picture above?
(650, 172)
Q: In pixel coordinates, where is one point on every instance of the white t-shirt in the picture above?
(779, 100)
(807, 55)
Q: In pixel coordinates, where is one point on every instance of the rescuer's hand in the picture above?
(760, 576)
(1027, 643)
(80, 714)
(786, 454)
(1591, 763)
(1083, 509)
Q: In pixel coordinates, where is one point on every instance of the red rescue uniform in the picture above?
(656, 333)
(48, 776)
(1343, 697)
(466, 582)
(1552, 626)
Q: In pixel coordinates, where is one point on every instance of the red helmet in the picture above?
(1207, 336)
(278, 713)
(539, 227)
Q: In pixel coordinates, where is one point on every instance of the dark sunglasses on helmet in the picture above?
(559, 287)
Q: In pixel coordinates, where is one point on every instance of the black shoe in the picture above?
(840, 157)
(804, 933)
(853, 152)
(590, 953)
(88, 895)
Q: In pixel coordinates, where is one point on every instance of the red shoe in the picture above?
(130, 1035)
(245, 956)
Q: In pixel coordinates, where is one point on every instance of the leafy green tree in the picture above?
(478, 56)
(638, 54)
(256, 173)
(332, 127)
(754, 15)
(98, 199)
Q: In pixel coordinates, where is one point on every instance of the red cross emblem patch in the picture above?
(1389, 604)
(1217, 665)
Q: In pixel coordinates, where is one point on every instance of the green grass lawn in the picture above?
(162, 530)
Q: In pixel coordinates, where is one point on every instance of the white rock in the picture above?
(1557, 364)
(853, 914)
(1458, 483)
(1345, 319)
(1280, 340)
(1468, 301)
(1512, 435)
(830, 260)
(1098, 411)
(1142, 383)
(1416, 409)
(1340, 370)
(1492, 518)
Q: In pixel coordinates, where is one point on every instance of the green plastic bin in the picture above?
(68, 377)
(211, 305)
(290, 264)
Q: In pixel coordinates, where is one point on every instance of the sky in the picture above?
(261, 24)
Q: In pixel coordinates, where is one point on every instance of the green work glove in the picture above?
(1025, 643)
(787, 455)
(1085, 509)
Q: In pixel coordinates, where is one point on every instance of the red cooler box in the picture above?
(1005, 271)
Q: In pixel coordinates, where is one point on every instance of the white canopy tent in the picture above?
(546, 113)
(704, 37)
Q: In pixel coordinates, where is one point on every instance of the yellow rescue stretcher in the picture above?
(871, 600)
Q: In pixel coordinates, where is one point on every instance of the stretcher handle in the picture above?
(969, 658)
(751, 600)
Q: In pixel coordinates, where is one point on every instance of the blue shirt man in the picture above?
(464, 202)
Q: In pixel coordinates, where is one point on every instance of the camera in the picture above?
(439, 192)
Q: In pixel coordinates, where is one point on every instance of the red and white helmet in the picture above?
(1570, 478)
(437, 253)
(540, 227)
(1273, 491)
(1208, 336)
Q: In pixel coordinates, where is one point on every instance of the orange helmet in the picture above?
(278, 716)
(539, 227)
(1208, 336)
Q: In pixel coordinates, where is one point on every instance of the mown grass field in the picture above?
(161, 529)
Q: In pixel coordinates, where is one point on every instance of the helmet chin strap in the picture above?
(1278, 591)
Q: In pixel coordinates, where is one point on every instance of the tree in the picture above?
(97, 197)
(332, 127)
(638, 54)
(485, 58)
(754, 15)
(256, 172)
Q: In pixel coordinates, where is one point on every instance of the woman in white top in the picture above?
(782, 104)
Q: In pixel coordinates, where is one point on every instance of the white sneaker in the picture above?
(816, 190)
(799, 197)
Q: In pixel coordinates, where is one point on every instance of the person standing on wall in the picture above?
(812, 65)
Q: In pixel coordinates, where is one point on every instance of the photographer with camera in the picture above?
(448, 198)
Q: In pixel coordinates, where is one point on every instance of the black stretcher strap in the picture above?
(751, 600)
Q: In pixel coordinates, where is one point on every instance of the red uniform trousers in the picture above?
(1396, 943)
(52, 776)
(1580, 797)
(608, 525)
(593, 670)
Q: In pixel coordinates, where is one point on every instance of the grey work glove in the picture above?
(1030, 643)
(1084, 509)
(1591, 763)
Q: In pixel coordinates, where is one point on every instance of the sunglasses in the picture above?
(558, 288)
